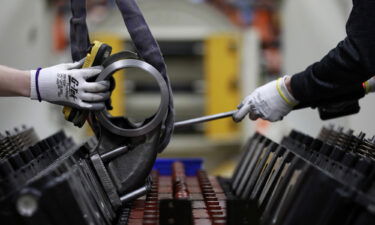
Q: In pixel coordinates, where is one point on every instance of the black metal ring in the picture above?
(103, 116)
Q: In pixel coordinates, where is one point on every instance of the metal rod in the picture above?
(204, 119)
(135, 194)
(108, 156)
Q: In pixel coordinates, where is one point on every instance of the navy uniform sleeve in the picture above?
(345, 67)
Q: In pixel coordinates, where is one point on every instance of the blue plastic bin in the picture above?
(164, 165)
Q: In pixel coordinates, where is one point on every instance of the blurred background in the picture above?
(217, 52)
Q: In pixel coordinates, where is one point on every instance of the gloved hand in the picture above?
(271, 101)
(369, 85)
(66, 84)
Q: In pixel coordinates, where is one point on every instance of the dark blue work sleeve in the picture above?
(345, 67)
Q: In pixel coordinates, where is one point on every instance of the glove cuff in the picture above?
(369, 85)
(284, 93)
(33, 92)
(34, 84)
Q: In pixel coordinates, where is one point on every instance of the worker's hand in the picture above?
(66, 84)
(369, 85)
(271, 101)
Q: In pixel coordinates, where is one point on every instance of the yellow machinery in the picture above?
(221, 71)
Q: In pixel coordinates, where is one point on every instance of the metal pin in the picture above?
(135, 194)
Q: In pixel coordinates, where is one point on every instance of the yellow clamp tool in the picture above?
(95, 56)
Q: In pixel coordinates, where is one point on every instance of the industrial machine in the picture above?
(302, 180)
(112, 177)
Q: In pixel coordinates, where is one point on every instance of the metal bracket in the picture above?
(125, 152)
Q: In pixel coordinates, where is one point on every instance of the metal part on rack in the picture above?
(180, 189)
(42, 181)
(125, 151)
(290, 181)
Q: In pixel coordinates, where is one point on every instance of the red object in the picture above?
(204, 192)
(59, 37)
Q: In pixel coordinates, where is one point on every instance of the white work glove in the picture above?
(66, 84)
(271, 101)
(369, 85)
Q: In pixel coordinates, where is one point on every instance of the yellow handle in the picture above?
(66, 111)
(90, 58)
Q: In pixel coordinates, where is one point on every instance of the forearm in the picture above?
(352, 92)
(346, 66)
(337, 74)
(14, 82)
(288, 84)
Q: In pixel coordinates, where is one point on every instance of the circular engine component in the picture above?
(104, 117)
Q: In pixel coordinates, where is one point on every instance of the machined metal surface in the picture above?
(106, 181)
(103, 116)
